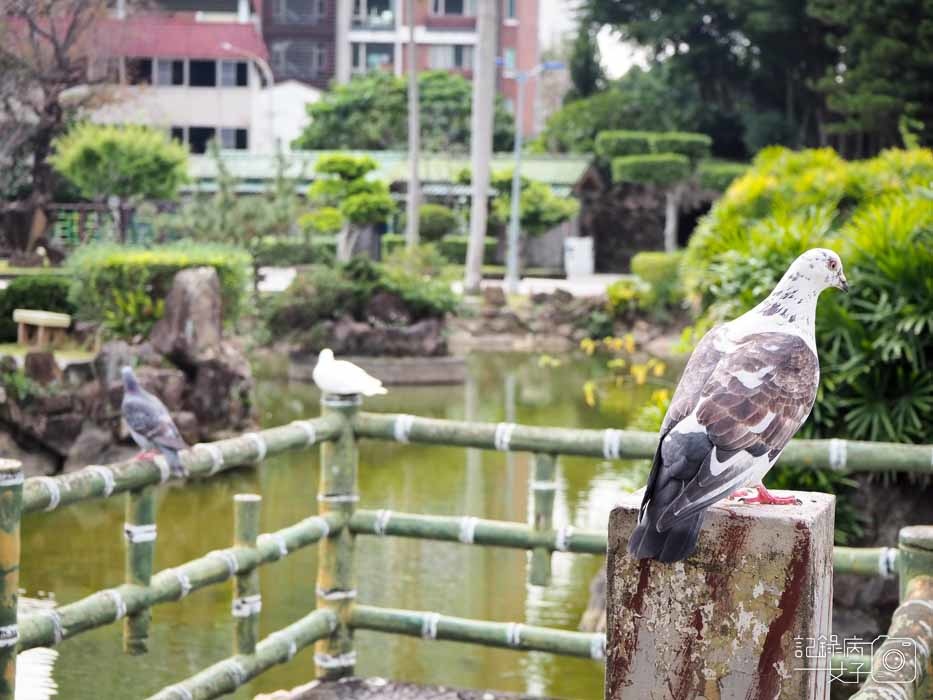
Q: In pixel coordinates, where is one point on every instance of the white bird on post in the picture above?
(342, 378)
(747, 389)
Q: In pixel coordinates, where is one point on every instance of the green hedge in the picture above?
(285, 252)
(612, 144)
(662, 272)
(43, 292)
(434, 222)
(694, 146)
(122, 285)
(454, 248)
(718, 175)
(391, 242)
(661, 169)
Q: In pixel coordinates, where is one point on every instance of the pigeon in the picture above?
(747, 388)
(150, 424)
(342, 378)
(35, 679)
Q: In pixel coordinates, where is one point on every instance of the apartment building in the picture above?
(317, 41)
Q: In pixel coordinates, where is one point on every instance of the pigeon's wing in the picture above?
(147, 416)
(355, 378)
(754, 401)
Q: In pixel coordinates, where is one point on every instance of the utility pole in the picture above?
(414, 136)
(484, 88)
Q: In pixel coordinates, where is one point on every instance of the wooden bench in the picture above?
(49, 326)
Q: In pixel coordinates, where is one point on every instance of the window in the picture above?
(372, 57)
(448, 57)
(454, 7)
(199, 136)
(298, 11)
(178, 133)
(169, 72)
(202, 73)
(233, 139)
(373, 14)
(298, 58)
(139, 71)
(233, 74)
(509, 11)
(509, 60)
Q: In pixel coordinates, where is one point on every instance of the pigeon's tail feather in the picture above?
(174, 462)
(376, 389)
(674, 544)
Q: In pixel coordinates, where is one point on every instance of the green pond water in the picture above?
(78, 550)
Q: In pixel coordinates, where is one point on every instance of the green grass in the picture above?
(7, 271)
(66, 354)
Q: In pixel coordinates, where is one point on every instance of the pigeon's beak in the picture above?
(842, 284)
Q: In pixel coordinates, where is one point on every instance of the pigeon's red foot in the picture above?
(741, 494)
(147, 454)
(767, 498)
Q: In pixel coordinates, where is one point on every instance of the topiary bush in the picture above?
(390, 242)
(661, 271)
(694, 146)
(43, 292)
(454, 248)
(434, 222)
(111, 283)
(718, 175)
(876, 343)
(660, 169)
(612, 144)
(276, 251)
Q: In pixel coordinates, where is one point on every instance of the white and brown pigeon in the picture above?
(747, 388)
(150, 424)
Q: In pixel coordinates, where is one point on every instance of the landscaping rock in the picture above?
(42, 368)
(36, 461)
(112, 356)
(220, 396)
(493, 296)
(388, 309)
(381, 689)
(91, 444)
(348, 337)
(191, 329)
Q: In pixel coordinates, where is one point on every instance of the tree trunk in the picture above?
(346, 242)
(671, 212)
(414, 136)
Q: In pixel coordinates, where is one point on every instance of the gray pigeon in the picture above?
(150, 424)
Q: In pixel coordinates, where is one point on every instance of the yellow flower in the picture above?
(640, 373)
(589, 393)
(629, 342)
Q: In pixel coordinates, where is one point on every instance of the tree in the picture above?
(50, 61)
(370, 113)
(341, 185)
(586, 70)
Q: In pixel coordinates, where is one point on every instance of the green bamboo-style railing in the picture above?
(330, 627)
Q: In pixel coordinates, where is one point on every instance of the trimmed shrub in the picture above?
(391, 242)
(718, 175)
(434, 222)
(285, 252)
(344, 166)
(625, 295)
(43, 292)
(454, 248)
(111, 282)
(661, 169)
(662, 273)
(694, 146)
(612, 144)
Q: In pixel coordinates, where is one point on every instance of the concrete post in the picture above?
(727, 622)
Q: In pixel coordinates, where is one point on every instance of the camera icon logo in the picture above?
(896, 660)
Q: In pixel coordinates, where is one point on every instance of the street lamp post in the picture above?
(269, 79)
(511, 259)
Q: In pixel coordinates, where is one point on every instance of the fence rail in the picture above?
(334, 530)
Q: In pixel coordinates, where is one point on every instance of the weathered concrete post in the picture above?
(915, 555)
(11, 508)
(543, 487)
(140, 532)
(337, 494)
(247, 600)
(727, 622)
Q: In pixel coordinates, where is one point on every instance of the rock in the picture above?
(112, 356)
(89, 447)
(78, 373)
(41, 367)
(493, 296)
(221, 394)
(348, 337)
(83, 332)
(36, 461)
(8, 364)
(187, 424)
(387, 308)
(376, 688)
(191, 329)
(561, 296)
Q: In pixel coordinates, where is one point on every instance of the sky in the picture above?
(558, 17)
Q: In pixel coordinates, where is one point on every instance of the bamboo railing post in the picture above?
(915, 555)
(337, 494)
(11, 507)
(140, 532)
(542, 487)
(247, 600)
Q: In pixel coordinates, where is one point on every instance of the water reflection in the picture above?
(80, 549)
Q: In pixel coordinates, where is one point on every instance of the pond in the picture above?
(79, 549)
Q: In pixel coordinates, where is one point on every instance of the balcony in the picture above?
(451, 22)
(374, 15)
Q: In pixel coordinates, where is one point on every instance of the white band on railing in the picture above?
(513, 634)
(543, 485)
(336, 595)
(401, 428)
(165, 470)
(341, 661)
(58, 630)
(887, 561)
(217, 457)
(598, 647)
(260, 442)
(612, 443)
(239, 673)
(429, 625)
(503, 436)
(562, 538)
(837, 454)
(228, 558)
(467, 530)
(247, 606)
(308, 427)
(338, 497)
(53, 489)
(382, 521)
(9, 635)
(105, 473)
(292, 645)
(181, 691)
(118, 602)
(11, 478)
(280, 542)
(139, 533)
(184, 583)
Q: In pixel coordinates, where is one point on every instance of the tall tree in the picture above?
(586, 68)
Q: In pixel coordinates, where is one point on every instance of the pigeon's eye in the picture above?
(831, 264)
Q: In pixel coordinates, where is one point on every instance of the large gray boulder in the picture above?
(191, 329)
